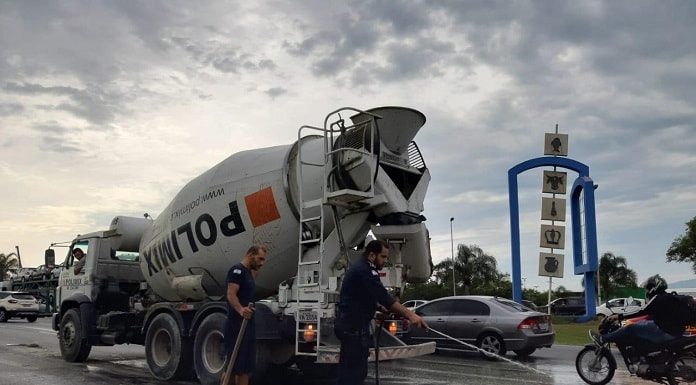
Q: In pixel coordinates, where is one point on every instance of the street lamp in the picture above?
(454, 281)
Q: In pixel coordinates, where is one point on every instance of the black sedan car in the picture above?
(493, 324)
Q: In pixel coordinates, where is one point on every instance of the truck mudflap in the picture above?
(330, 355)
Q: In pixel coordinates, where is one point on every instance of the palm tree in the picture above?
(473, 269)
(614, 273)
(7, 262)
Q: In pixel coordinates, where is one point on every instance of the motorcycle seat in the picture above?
(678, 342)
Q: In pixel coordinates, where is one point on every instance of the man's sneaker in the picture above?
(596, 338)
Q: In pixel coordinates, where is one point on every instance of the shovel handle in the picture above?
(225, 380)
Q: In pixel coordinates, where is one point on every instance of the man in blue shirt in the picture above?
(361, 291)
(240, 294)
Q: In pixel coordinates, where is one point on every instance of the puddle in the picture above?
(36, 346)
(474, 347)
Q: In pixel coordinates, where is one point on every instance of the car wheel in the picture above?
(74, 346)
(3, 315)
(32, 318)
(522, 353)
(491, 345)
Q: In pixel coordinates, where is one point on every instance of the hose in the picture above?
(377, 334)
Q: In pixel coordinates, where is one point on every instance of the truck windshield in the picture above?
(128, 256)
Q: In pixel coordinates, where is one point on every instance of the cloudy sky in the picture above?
(108, 108)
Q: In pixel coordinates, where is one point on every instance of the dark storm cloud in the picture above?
(7, 109)
(274, 92)
(51, 128)
(220, 56)
(60, 145)
(94, 104)
(377, 41)
(57, 138)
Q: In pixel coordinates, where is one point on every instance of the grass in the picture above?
(571, 333)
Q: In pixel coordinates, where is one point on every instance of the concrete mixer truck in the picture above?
(161, 282)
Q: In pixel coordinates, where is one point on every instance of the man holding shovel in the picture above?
(240, 311)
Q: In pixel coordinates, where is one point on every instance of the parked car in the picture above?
(55, 273)
(620, 306)
(42, 272)
(494, 324)
(530, 304)
(21, 273)
(414, 303)
(568, 306)
(14, 304)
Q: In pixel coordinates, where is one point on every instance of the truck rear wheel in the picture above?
(74, 346)
(168, 353)
(209, 349)
(209, 353)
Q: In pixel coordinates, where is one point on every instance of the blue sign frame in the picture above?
(582, 183)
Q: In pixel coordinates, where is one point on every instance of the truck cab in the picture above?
(107, 284)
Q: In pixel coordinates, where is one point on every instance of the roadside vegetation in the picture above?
(476, 272)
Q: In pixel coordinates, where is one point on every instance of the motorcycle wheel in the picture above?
(594, 366)
(685, 370)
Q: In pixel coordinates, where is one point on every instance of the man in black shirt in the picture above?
(361, 291)
(240, 294)
(660, 326)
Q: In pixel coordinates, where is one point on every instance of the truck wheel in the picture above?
(32, 318)
(168, 353)
(74, 347)
(209, 349)
(3, 315)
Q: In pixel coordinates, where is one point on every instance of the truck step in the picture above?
(312, 164)
(312, 203)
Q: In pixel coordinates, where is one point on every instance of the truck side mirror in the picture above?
(50, 258)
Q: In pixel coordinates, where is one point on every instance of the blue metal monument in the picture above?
(582, 199)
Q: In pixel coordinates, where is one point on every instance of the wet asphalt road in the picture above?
(29, 354)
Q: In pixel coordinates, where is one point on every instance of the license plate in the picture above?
(26, 304)
(307, 316)
(544, 326)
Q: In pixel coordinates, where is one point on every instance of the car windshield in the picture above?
(513, 306)
(22, 296)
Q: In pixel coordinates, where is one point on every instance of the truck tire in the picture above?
(209, 349)
(32, 318)
(74, 346)
(209, 353)
(168, 353)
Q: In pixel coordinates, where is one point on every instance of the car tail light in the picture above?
(309, 333)
(13, 301)
(392, 328)
(527, 323)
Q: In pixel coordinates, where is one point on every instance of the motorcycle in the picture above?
(672, 363)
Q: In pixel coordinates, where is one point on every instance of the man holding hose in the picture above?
(240, 295)
(361, 291)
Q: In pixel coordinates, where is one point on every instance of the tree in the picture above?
(474, 269)
(428, 290)
(683, 248)
(7, 262)
(614, 273)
